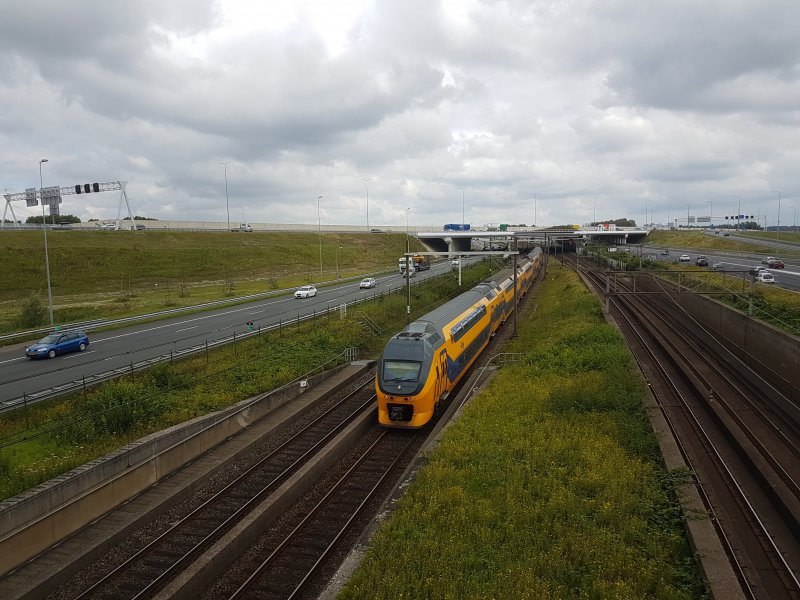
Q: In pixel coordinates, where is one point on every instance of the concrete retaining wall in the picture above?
(743, 335)
(88, 491)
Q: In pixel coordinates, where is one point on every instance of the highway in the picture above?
(788, 277)
(111, 353)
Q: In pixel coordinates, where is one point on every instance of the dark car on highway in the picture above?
(58, 342)
(701, 261)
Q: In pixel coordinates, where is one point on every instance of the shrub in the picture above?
(33, 312)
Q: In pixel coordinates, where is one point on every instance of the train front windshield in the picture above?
(400, 370)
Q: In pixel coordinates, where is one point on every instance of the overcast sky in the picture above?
(558, 110)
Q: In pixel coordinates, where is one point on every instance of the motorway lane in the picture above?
(121, 348)
(788, 277)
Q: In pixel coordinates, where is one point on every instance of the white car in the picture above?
(455, 262)
(367, 283)
(765, 277)
(305, 291)
(412, 272)
(685, 258)
(766, 261)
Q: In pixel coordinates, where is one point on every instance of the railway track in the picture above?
(739, 434)
(162, 559)
(286, 566)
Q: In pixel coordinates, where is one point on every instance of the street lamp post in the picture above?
(366, 191)
(778, 230)
(407, 243)
(409, 266)
(46, 255)
(227, 203)
(535, 220)
(463, 223)
(337, 260)
(319, 230)
(739, 213)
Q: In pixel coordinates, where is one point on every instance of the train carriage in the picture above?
(423, 363)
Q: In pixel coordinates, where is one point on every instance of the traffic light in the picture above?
(87, 188)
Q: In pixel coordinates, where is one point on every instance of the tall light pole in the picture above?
(407, 242)
(778, 230)
(366, 191)
(409, 266)
(595, 210)
(738, 213)
(462, 208)
(535, 220)
(46, 256)
(227, 204)
(319, 230)
(710, 212)
(338, 247)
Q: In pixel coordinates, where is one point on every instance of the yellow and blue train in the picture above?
(424, 362)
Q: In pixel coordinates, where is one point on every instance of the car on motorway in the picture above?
(664, 252)
(775, 263)
(765, 277)
(684, 258)
(367, 283)
(140, 227)
(718, 266)
(701, 261)
(305, 291)
(765, 261)
(412, 272)
(58, 342)
(455, 262)
(109, 226)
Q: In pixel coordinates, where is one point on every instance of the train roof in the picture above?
(448, 311)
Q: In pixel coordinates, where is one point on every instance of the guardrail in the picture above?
(97, 323)
(86, 382)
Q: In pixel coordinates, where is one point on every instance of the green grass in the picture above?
(701, 241)
(103, 274)
(49, 438)
(550, 485)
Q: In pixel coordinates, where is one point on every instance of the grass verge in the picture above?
(50, 438)
(550, 485)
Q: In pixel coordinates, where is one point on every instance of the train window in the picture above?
(400, 370)
(465, 325)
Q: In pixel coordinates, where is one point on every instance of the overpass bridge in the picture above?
(452, 242)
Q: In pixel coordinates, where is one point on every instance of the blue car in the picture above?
(58, 342)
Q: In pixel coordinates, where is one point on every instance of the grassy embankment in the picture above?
(113, 274)
(702, 241)
(784, 236)
(550, 485)
(50, 438)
